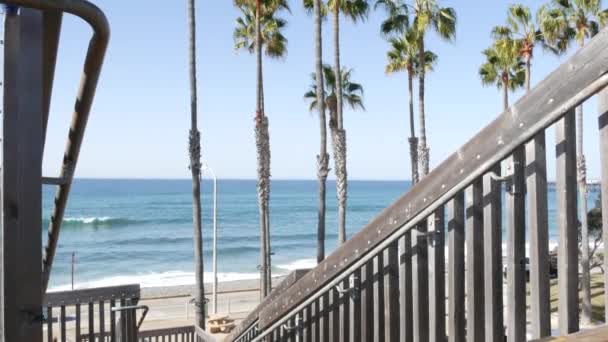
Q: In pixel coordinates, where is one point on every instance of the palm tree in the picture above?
(260, 27)
(564, 22)
(352, 92)
(195, 169)
(354, 10)
(503, 68)
(322, 157)
(403, 56)
(521, 27)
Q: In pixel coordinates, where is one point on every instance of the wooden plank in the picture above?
(378, 299)
(367, 301)
(49, 323)
(436, 255)
(102, 323)
(344, 312)
(307, 331)
(516, 239)
(538, 225)
(538, 109)
(112, 321)
(334, 315)
(456, 306)
(92, 322)
(566, 208)
(405, 288)
(420, 295)
(96, 294)
(493, 272)
(324, 318)
(77, 329)
(474, 261)
(252, 317)
(62, 323)
(22, 167)
(314, 321)
(602, 122)
(355, 308)
(391, 292)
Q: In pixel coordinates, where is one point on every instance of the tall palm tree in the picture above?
(403, 56)
(428, 15)
(322, 157)
(195, 169)
(564, 22)
(352, 92)
(260, 27)
(354, 10)
(521, 27)
(503, 68)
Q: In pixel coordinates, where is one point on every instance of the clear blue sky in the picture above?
(139, 123)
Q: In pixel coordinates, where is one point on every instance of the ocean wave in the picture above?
(112, 221)
(160, 279)
(299, 264)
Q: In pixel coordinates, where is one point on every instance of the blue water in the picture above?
(140, 231)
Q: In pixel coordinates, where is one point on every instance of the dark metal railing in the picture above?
(390, 281)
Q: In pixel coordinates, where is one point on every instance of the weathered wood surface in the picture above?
(405, 287)
(536, 186)
(436, 255)
(94, 294)
(474, 261)
(420, 296)
(538, 109)
(21, 176)
(391, 293)
(602, 122)
(355, 308)
(516, 238)
(367, 301)
(493, 286)
(252, 317)
(52, 29)
(566, 208)
(456, 306)
(378, 299)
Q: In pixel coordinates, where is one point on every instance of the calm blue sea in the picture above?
(140, 231)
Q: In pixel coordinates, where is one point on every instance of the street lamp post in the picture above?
(210, 170)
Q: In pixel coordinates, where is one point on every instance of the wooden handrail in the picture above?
(582, 76)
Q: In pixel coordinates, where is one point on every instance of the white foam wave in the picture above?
(89, 220)
(162, 279)
(299, 264)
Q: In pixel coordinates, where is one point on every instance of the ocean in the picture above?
(140, 231)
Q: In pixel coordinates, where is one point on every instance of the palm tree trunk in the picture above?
(195, 168)
(423, 153)
(322, 157)
(412, 140)
(528, 66)
(339, 136)
(261, 129)
(505, 95)
(582, 179)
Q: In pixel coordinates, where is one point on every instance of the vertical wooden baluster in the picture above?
(367, 301)
(355, 307)
(102, 323)
(378, 301)
(112, 321)
(306, 333)
(334, 315)
(62, 323)
(436, 254)
(516, 239)
(122, 321)
(474, 261)
(536, 185)
(456, 308)
(391, 292)
(405, 287)
(602, 103)
(91, 321)
(567, 222)
(420, 294)
(77, 330)
(344, 309)
(314, 321)
(493, 272)
(49, 323)
(324, 318)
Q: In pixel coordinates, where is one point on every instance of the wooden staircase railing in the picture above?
(389, 281)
